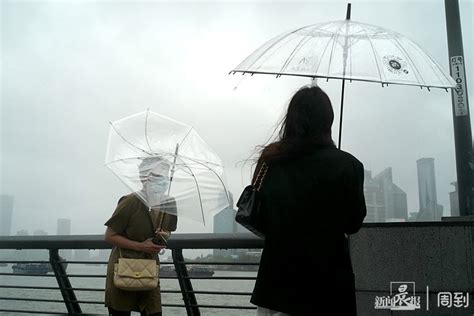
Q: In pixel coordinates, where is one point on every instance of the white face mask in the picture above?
(155, 189)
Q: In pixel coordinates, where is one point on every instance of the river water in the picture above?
(166, 284)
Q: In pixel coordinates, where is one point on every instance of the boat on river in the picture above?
(34, 267)
(194, 271)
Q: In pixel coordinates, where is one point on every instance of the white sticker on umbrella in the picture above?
(459, 93)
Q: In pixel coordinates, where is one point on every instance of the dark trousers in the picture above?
(113, 312)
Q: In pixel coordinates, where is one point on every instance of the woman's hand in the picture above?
(149, 247)
(146, 246)
(163, 233)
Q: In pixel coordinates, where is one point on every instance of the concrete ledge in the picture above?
(437, 255)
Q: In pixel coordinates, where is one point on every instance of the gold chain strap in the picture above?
(261, 174)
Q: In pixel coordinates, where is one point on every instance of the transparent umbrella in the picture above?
(164, 161)
(347, 50)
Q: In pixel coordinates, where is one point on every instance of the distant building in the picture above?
(40, 232)
(6, 212)
(413, 216)
(22, 232)
(64, 226)
(374, 199)
(224, 223)
(385, 201)
(430, 210)
(454, 200)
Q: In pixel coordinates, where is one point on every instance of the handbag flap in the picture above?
(136, 268)
(247, 195)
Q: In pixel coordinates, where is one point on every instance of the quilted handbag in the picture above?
(249, 211)
(136, 274)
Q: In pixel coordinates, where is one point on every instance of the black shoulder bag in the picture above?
(249, 210)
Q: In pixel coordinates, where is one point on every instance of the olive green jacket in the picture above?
(133, 220)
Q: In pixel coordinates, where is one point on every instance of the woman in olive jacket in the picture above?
(131, 229)
(312, 196)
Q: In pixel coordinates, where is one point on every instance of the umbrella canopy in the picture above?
(347, 50)
(162, 160)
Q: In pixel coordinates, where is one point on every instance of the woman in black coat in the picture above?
(312, 196)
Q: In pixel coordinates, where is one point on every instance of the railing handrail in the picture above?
(190, 241)
(177, 241)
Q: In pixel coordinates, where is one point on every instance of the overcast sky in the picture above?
(70, 68)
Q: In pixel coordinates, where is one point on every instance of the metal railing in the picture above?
(176, 244)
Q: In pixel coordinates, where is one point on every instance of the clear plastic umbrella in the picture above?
(347, 50)
(162, 160)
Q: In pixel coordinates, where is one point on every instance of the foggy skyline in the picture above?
(70, 68)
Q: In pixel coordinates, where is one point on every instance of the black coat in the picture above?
(309, 203)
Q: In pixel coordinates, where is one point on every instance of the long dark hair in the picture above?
(306, 125)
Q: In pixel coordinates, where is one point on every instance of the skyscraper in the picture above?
(454, 200)
(385, 201)
(430, 210)
(395, 199)
(374, 199)
(6, 211)
(224, 223)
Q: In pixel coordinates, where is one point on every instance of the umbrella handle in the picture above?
(174, 164)
(340, 115)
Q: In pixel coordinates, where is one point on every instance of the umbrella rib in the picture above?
(212, 170)
(282, 36)
(146, 129)
(293, 53)
(340, 77)
(197, 185)
(438, 67)
(297, 47)
(376, 56)
(125, 140)
(336, 36)
(189, 131)
(350, 55)
(122, 159)
(440, 71)
(417, 72)
(269, 54)
(199, 194)
(324, 51)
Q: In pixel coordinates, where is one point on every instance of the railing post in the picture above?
(69, 297)
(185, 283)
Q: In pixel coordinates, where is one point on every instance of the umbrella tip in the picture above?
(348, 12)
